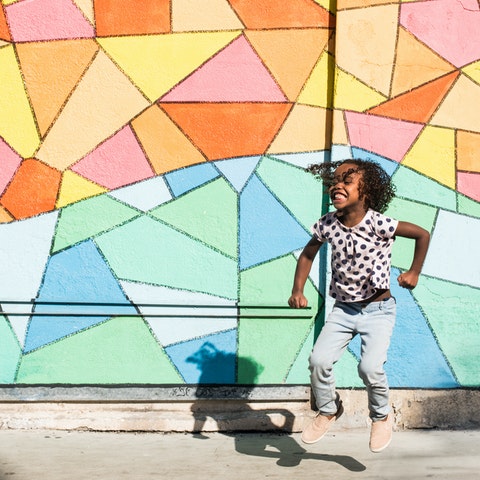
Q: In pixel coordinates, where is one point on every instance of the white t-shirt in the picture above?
(360, 254)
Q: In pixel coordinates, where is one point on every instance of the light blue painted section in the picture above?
(206, 360)
(24, 252)
(453, 251)
(341, 152)
(414, 358)
(186, 179)
(208, 310)
(263, 226)
(144, 195)
(303, 160)
(388, 165)
(78, 274)
(237, 171)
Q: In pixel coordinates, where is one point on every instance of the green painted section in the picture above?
(468, 206)
(299, 372)
(149, 251)
(407, 211)
(415, 186)
(119, 351)
(452, 311)
(305, 200)
(274, 343)
(209, 214)
(10, 352)
(271, 343)
(87, 218)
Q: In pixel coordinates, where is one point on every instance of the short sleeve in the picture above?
(385, 227)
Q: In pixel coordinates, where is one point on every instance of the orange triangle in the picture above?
(33, 189)
(265, 14)
(51, 70)
(278, 49)
(427, 66)
(419, 104)
(225, 130)
(4, 30)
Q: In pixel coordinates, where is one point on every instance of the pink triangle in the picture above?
(47, 20)
(9, 162)
(387, 137)
(469, 184)
(236, 74)
(117, 162)
(448, 27)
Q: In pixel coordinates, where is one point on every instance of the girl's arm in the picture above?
(409, 278)
(304, 265)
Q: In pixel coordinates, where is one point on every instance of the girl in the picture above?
(361, 238)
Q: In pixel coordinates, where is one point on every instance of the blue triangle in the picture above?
(414, 358)
(186, 179)
(388, 165)
(237, 171)
(267, 230)
(210, 359)
(76, 275)
(303, 159)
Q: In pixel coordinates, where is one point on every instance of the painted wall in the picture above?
(153, 196)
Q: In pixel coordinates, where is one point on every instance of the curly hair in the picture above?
(375, 186)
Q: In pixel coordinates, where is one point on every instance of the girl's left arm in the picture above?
(421, 236)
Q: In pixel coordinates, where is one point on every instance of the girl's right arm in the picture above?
(304, 265)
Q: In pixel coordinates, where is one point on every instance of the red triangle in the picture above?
(419, 104)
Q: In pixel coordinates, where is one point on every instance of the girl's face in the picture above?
(344, 188)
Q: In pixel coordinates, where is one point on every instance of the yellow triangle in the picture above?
(213, 15)
(318, 88)
(473, 71)
(433, 154)
(17, 124)
(351, 94)
(75, 188)
(156, 63)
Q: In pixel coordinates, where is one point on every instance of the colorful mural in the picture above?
(154, 198)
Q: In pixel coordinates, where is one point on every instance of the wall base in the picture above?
(446, 409)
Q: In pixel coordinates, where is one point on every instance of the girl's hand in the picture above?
(298, 300)
(408, 279)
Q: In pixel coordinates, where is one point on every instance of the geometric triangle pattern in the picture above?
(153, 193)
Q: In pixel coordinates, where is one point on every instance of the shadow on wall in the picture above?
(272, 439)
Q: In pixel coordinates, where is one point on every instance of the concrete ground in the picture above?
(75, 455)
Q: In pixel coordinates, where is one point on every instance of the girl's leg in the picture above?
(375, 327)
(331, 343)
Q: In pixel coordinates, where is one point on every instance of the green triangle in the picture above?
(261, 339)
(452, 312)
(208, 213)
(468, 206)
(119, 351)
(409, 211)
(415, 186)
(87, 218)
(297, 189)
(10, 352)
(146, 250)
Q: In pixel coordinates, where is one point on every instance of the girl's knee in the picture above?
(370, 372)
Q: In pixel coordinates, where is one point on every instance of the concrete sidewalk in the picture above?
(75, 455)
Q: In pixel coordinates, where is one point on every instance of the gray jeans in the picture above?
(374, 323)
